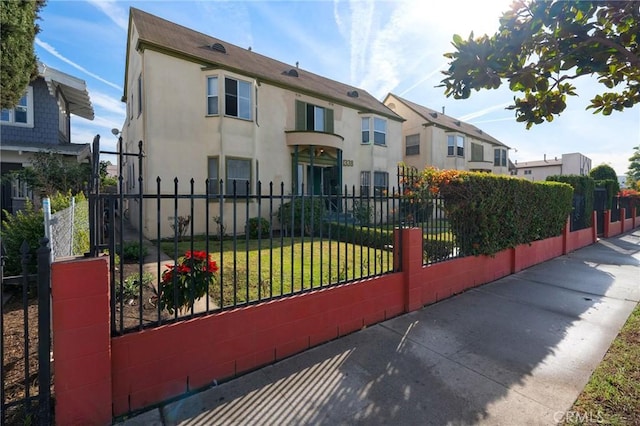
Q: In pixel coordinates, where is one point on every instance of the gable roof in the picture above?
(159, 34)
(434, 118)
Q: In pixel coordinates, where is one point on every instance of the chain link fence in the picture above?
(70, 230)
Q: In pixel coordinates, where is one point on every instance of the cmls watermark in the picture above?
(579, 417)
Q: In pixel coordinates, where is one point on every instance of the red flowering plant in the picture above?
(187, 280)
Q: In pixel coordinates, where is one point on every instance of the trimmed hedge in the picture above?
(372, 237)
(583, 188)
(490, 213)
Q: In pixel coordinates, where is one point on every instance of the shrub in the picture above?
(303, 214)
(365, 236)
(583, 188)
(133, 251)
(436, 250)
(187, 281)
(130, 289)
(490, 213)
(258, 227)
(362, 212)
(26, 225)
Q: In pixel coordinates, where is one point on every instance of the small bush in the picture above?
(26, 225)
(362, 212)
(130, 289)
(258, 227)
(303, 214)
(436, 250)
(371, 237)
(134, 252)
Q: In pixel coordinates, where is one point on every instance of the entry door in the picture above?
(315, 179)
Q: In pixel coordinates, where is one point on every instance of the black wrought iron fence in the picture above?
(25, 345)
(184, 254)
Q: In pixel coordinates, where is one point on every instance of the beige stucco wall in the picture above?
(179, 138)
(433, 144)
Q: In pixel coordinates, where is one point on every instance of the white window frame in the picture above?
(62, 116)
(237, 96)
(214, 178)
(379, 128)
(213, 99)
(455, 145)
(412, 143)
(11, 113)
(377, 187)
(20, 190)
(366, 131)
(365, 183)
(318, 117)
(241, 185)
(500, 157)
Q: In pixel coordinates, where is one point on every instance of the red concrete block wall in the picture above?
(81, 341)
(157, 364)
(579, 239)
(527, 255)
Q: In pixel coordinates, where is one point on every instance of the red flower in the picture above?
(212, 266)
(183, 269)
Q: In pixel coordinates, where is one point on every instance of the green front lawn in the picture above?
(255, 270)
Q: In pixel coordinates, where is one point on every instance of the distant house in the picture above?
(569, 164)
(431, 138)
(205, 108)
(41, 122)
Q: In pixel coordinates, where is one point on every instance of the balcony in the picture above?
(310, 138)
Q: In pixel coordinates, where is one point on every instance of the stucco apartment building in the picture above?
(205, 108)
(568, 164)
(41, 122)
(431, 138)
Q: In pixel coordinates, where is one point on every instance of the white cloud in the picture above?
(485, 111)
(46, 46)
(116, 13)
(108, 103)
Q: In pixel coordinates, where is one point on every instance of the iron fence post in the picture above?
(44, 332)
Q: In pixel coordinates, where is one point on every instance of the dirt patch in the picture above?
(17, 368)
(133, 312)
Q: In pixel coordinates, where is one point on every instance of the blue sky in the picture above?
(380, 46)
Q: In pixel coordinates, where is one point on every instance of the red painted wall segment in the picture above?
(157, 364)
(94, 372)
(82, 341)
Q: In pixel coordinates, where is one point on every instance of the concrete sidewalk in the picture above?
(516, 351)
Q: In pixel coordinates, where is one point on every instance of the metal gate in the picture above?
(25, 345)
(600, 205)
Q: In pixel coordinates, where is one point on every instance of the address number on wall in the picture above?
(347, 163)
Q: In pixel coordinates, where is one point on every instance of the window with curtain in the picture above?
(380, 183)
(412, 145)
(365, 183)
(213, 175)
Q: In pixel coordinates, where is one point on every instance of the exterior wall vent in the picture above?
(434, 114)
(290, 73)
(353, 94)
(218, 48)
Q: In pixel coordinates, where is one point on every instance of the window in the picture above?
(379, 130)
(455, 145)
(365, 183)
(527, 172)
(212, 95)
(500, 157)
(380, 182)
(213, 175)
(237, 98)
(313, 118)
(62, 115)
(477, 152)
(412, 145)
(19, 189)
(365, 130)
(22, 113)
(140, 94)
(238, 171)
